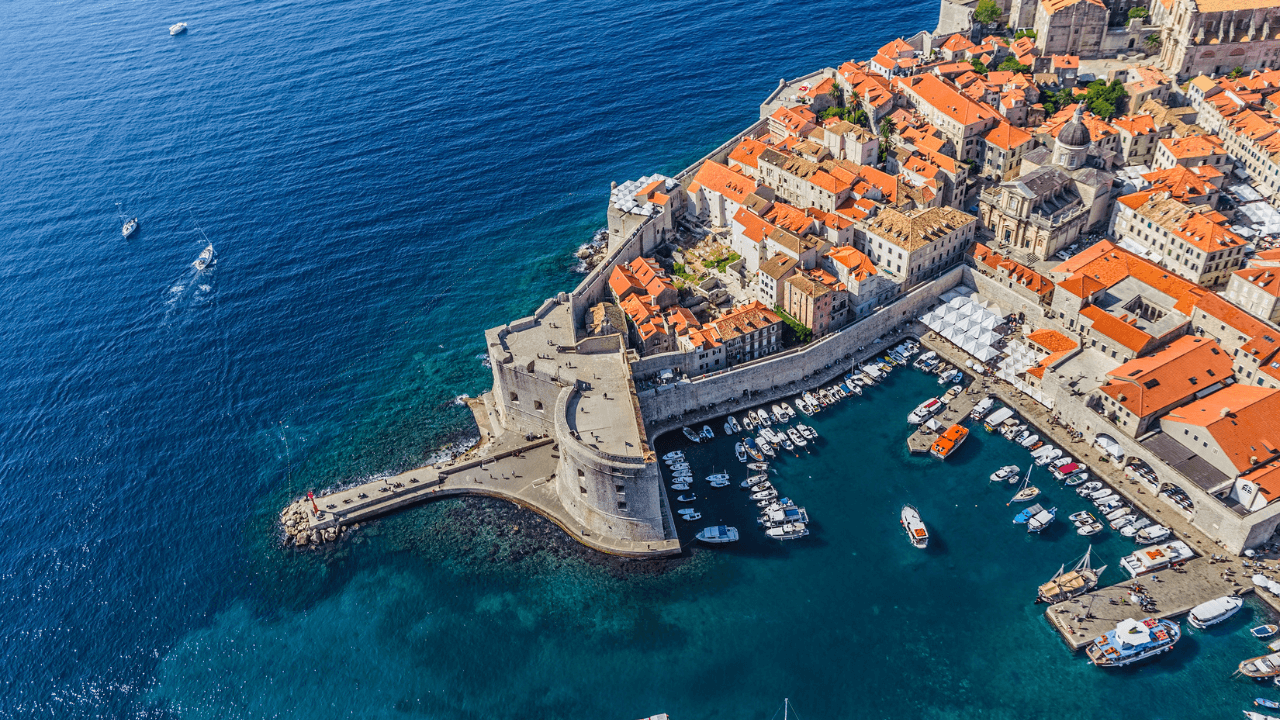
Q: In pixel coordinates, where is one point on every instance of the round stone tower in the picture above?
(1073, 142)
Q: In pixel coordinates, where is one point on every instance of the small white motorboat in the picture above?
(1088, 487)
(718, 534)
(687, 498)
(808, 432)
(177, 28)
(707, 433)
(679, 466)
(796, 437)
(1120, 522)
(753, 481)
(691, 516)
(1004, 473)
(693, 436)
(130, 227)
(1090, 529)
(680, 486)
(790, 531)
(719, 483)
(1084, 516)
(718, 476)
(674, 456)
(788, 410)
(1100, 494)
(1118, 513)
(686, 511)
(761, 466)
(1153, 534)
(1132, 528)
(765, 494)
(1030, 440)
(205, 258)
(740, 451)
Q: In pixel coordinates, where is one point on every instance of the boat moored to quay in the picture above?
(1133, 641)
(1214, 611)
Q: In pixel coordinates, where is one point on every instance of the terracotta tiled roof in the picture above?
(1007, 137)
(748, 152)
(1183, 184)
(957, 43)
(944, 97)
(1053, 6)
(1245, 420)
(1135, 124)
(789, 217)
(1265, 279)
(1193, 147)
(744, 320)
(1116, 329)
(1149, 384)
(1107, 263)
(717, 178)
(855, 261)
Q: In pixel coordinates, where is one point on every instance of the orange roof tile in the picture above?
(748, 152)
(1006, 136)
(1245, 420)
(718, 178)
(1149, 384)
(1193, 146)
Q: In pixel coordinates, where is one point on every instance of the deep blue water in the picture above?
(381, 182)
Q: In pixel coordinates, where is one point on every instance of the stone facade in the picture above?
(1215, 36)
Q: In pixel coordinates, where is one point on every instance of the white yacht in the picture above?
(1214, 611)
(205, 258)
(177, 28)
(718, 534)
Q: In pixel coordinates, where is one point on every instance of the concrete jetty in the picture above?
(517, 470)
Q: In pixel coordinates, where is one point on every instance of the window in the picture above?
(537, 404)
(515, 398)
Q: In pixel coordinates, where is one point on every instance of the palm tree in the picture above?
(888, 127)
(837, 94)
(1152, 42)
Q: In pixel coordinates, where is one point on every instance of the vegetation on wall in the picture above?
(795, 333)
(987, 11)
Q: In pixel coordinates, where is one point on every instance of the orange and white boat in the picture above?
(947, 443)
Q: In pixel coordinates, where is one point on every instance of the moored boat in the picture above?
(718, 477)
(1041, 520)
(740, 451)
(1264, 631)
(758, 466)
(1005, 473)
(690, 497)
(753, 450)
(981, 409)
(1133, 641)
(690, 517)
(790, 531)
(917, 533)
(996, 419)
(1263, 666)
(673, 456)
(950, 440)
(808, 432)
(689, 433)
(734, 427)
(1153, 534)
(1022, 517)
(718, 534)
(753, 481)
(786, 407)
(1077, 479)
(1027, 492)
(679, 486)
(1077, 581)
(1151, 559)
(1090, 529)
(707, 433)
(796, 437)
(1214, 611)
(764, 494)
(924, 411)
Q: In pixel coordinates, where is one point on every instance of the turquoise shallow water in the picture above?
(382, 181)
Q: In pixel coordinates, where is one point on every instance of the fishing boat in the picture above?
(204, 259)
(808, 432)
(1214, 611)
(1026, 492)
(1041, 520)
(788, 410)
(693, 436)
(981, 409)
(1022, 517)
(796, 437)
(916, 531)
(1264, 631)
(1133, 641)
(718, 534)
(740, 451)
(754, 451)
(679, 486)
(1151, 535)
(1263, 666)
(706, 432)
(687, 498)
(691, 516)
(1154, 559)
(791, 531)
(949, 442)
(177, 28)
(1079, 580)
(924, 411)
(996, 419)
(758, 466)
(1008, 472)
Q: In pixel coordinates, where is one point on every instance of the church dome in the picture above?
(1074, 133)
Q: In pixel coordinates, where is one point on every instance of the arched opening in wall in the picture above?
(515, 397)
(537, 404)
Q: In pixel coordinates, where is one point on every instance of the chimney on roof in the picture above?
(1224, 412)
(1253, 459)
(1121, 397)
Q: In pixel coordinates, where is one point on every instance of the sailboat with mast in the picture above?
(1026, 491)
(1067, 584)
(128, 227)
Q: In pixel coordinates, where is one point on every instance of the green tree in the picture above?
(987, 11)
(1024, 33)
(795, 333)
(1011, 64)
(860, 118)
(1138, 12)
(1152, 42)
(1103, 99)
(887, 127)
(1236, 72)
(978, 66)
(1102, 109)
(837, 94)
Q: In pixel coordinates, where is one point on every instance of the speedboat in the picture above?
(687, 498)
(808, 432)
(1214, 611)
(761, 486)
(1088, 488)
(761, 466)
(788, 410)
(1041, 520)
(1263, 632)
(693, 436)
(917, 533)
(753, 481)
(765, 494)
(1090, 529)
(718, 477)
(691, 516)
(1133, 641)
(786, 444)
(790, 531)
(1084, 516)
(1029, 440)
(685, 475)
(1077, 479)
(130, 227)
(204, 259)
(924, 411)
(1119, 513)
(686, 511)
(796, 437)
(706, 432)
(740, 451)
(1153, 534)
(778, 413)
(734, 427)
(679, 466)
(762, 418)
(177, 28)
(728, 428)
(673, 456)
(765, 447)
(854, 388)
(680, 486)
(1045, 458)
(813, 401)
(1004, 473)
(748, 422)
(804, 406)
(754, 451)
(1100, 494)
(719, 483)
(718, 534)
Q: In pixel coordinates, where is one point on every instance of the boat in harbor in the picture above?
(1214, 611)
(1152, 559)
(1084, 516)
(1133, 641)
(790, 531)
(917, 533)
(786, 444)
(675, 466)
(1263, 632)
(981, 409)
(718, 534)
(1067, 584)
(758, 466)
(674, 456)
(778, 413)
(924, 411)
(680, 486)
(1092, 528)
(1041, 520)
(783, 516)
(690, 517)
(719, 483)
(765, 494)
(1026, 492)
(1132, 528)
(1263, 666)
(1077, 479)
(1029, 440)
(796, 437)
(687, 498)
(1008, 472)
(753, 481)
(734, 427)
(996, 419)
(1251, 715)
(791, 414)
(707, 433)
(685, 511)
(1062, 472)
(765, 446)
(1089, 487)
(740, 451)
(1047, 454)
(949, 442)
(1152, 535)
(1022, 517)
(177, 28)
(718, 477)
(812, 401)
(754, 451)
(693, 436)
(924, 359)
(808, 432)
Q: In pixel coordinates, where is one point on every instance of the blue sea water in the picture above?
(382, 181)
